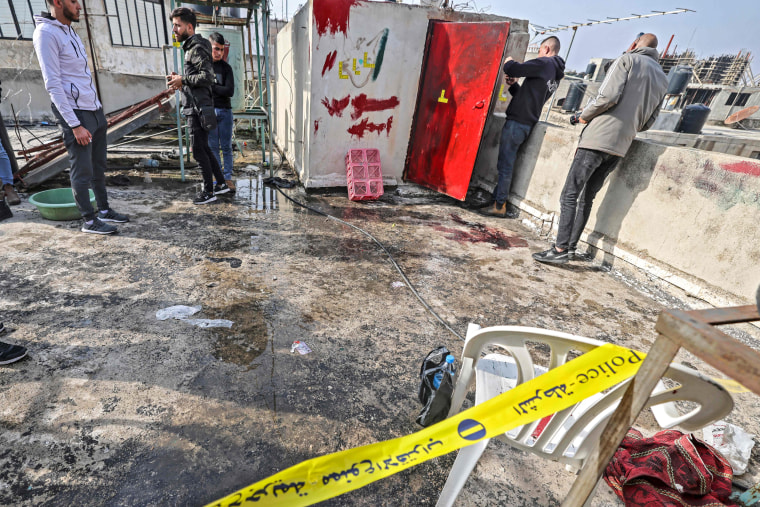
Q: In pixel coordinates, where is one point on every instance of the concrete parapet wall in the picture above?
(740, 146)
(685, 215)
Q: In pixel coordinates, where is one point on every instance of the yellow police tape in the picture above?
(325, 477)
(732, 386)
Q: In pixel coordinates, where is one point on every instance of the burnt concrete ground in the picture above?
(115, 407)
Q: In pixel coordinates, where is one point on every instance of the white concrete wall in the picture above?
(320, 162)
(291, 89)
(733, 145)
(686, 215)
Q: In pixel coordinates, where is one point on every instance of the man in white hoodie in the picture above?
(75, 103)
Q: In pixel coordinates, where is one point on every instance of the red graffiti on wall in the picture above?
(363, 105)
(363, 126)
(332, 15)
(316, 126)
(329, 62)
(751, 168)
(336, 107)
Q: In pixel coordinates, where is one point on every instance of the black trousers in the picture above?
(88, 163)
(587, 174)
(203, 155)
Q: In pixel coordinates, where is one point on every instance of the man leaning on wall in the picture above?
(628, 102)
(542, 76)
(75, 104)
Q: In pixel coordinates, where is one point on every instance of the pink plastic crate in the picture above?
(364, 174)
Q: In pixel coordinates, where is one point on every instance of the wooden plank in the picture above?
(732, 315)
(635, 397)
(115, 132)
(714, 347)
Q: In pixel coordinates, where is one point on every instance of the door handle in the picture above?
(479, 105)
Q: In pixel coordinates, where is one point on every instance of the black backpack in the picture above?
(436, 402)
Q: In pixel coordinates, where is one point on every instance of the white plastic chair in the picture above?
(572, 433)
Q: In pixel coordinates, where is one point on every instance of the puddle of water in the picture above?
(258, 197)
(480, 233)
(248, 337)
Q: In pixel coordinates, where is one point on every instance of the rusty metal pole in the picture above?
(265, 15)
(262, 133)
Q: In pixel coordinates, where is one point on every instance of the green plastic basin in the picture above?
(58, 204)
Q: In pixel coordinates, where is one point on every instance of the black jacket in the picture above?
(199, 74)
(224, 87)
(542, 76)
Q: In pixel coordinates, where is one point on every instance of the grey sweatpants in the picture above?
(88, 163)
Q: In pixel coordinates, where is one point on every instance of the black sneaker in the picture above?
(575, 255)
(204, 198)
(112, 216)
(98, 227)
(5, 210)
(221, 188)
(11, 353)
(552, 256)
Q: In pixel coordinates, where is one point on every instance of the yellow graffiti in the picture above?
(356, 71)
(340, 71)
(502, 97)
(366, 60)
(442, 98)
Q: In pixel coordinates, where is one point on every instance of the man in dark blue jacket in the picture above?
(542, 76)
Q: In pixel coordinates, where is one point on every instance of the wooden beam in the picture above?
(731, 315)
(714, 347)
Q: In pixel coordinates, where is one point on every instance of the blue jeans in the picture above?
(221, 137)
(6, 173)
(512, 136)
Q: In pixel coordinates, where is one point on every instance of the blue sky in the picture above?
(717, 27)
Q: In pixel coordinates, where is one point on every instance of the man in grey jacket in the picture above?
(75, 104)
(628, 102)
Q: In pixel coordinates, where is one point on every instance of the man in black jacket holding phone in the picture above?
(542, 76)
(197, 103)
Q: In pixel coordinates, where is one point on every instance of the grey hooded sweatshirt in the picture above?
(628, 102)
(63, 62)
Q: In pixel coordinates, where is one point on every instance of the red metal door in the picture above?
(461, 66)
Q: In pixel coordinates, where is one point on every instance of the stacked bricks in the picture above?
(364, 175)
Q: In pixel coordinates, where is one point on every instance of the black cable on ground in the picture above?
(277, 182)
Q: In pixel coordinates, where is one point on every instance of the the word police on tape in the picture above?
(325, 477)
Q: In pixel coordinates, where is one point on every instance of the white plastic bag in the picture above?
(732, 442)
(177, 312)
(210, 322)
